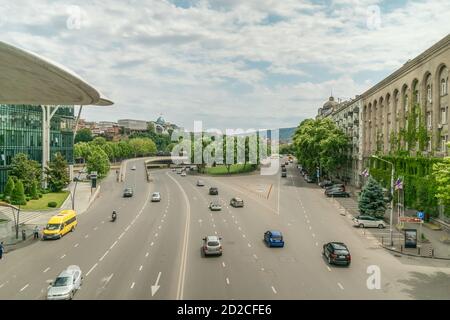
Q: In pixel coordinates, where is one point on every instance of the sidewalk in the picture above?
(29, 219)
(434, 246)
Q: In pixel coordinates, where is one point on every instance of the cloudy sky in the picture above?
(228, 63)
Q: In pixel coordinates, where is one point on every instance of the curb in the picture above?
(413, 255)
(94, 196)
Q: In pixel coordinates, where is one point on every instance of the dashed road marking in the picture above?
(151, 244)
(132, 286)
(255, 256)
(121, 235)
(86, 236)
(104, 255)
(62, 257)
(223, 264)
(103, 222)
(112, 246)
(215, 232)
(159, 227)
(317, 244)
(127, 228)
(249, 245)
(340, 286)
(76, 245)
(146, 255)
(329, 269)
(228, 281)
(156, 235)
(46, 270)
(239, 228)
(140, 268)
(243, 236)
(314, 235)
(90, 270)
(95, 228)
(310, 228)
(274, 291)
(26, 286)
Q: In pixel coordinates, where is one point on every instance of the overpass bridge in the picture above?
(165, 161)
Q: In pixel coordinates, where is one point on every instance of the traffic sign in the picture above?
(420, 215)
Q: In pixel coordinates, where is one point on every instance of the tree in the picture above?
(371, 200)
(57, 175)
(98, 141)
(98, 161)
(25, 170)
(441, 172)
(320, 143)
(34, 191)
(18, 194)
(83, 135)
(8, 189)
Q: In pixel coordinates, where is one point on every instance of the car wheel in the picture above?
(380, 226)
(71, 296)
(361, 225)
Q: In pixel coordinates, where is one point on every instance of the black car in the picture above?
(213, 191)
(337, 253)
(326, 183)
(128, 192)
(337, 194)
(283, 169)
(310, 179)
(284, 174)
(336, 186)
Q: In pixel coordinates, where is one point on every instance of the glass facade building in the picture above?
(21, 132)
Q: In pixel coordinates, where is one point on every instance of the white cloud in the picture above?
(151, 56)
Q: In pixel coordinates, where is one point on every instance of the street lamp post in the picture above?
(392, 198)
(72, 194)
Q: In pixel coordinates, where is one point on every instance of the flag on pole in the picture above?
(398, 184)
(365, 173)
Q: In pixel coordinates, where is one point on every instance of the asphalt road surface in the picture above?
(153, 250)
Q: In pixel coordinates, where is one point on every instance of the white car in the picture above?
(369, 222)
(183, 174)
(66, 284)
(156, 197)
(133, 168)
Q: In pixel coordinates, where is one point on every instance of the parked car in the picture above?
(236, 202)
(200, 183)
(179, 171)
(337, 253)
(284, 174)
(156, 197)
(212, 245)
(128, 192)
(326, 183)
(133, 168)
(369, 222)
(283, 169)
(213, 191)
(274, 238)
(66, 284)
(338, 194)
(215, 206)
(310, 179)
(183, 174)
(338, 186)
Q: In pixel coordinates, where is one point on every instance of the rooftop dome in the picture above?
(330, 104)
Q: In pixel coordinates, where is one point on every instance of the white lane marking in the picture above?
(214, 225)
(46, 270)
(159, 227)
(151, 244)
(112, 246)
(314, 235)
(239, 228)
(243, 236)
(156, 235)
(104, 255)
(329, 269)
(86, 236)
(223, 264)
(127, 228)
(310, 228)
(225, 221)
(162, 220)
(90, 270)
(132, 286)
(274, 291)
(146, 255)
(140, 268)
(236, 222)
(76, 245)
(26, 286)
(340, 286)
(1, 285)
(62, 257)
(255, 256)
(121, 235)
(215, 232)
(156, 286)
(317, 244)
(95, 228)
(164, 215)
(182, 273)
(249, 245)
(307, 221)
(228, 281)
(103, 222)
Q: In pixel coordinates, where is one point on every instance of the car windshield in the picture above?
(156, 194)
(213, 243)
(62, 282)
(276, 237)
(53, 226)
(342, 252)
(339, 247)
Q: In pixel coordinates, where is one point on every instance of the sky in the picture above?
(228, 63)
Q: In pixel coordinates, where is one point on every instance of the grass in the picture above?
(42, 203)
(235, 169)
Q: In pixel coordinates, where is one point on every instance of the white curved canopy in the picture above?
(26, 78)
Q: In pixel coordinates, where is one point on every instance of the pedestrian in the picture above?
(36, 232)
(1, 249)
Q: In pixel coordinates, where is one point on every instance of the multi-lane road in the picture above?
(153, 250)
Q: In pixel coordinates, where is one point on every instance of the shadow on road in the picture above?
(422, 286)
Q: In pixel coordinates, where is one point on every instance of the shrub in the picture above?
(52, 204)
(27, 198)
(18, 194)
(40, 195)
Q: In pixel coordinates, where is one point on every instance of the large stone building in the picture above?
(414, 95)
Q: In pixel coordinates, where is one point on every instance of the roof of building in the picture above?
(27, 78)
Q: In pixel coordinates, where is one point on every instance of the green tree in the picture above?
(371, 200)
(441, 172)
(320, 143)
(99, 141)
(18, 194)
(25, 170)
(82, 150)
(9, 188)
(34, 191)
(98, 161)
(83, 135)
(56, 172)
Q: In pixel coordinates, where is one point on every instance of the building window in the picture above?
(444, 115)
(429, 120)
(444, 140)
(443, 87)
(429, 145)
(429, 95)
(406, 103)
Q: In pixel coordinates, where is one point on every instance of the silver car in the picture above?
(66, 284)
(215, 206)
(212, 245)
(156, 197)
(369, 222)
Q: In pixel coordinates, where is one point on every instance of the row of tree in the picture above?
(25, 176)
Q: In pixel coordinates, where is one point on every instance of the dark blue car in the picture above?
(274, 238)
